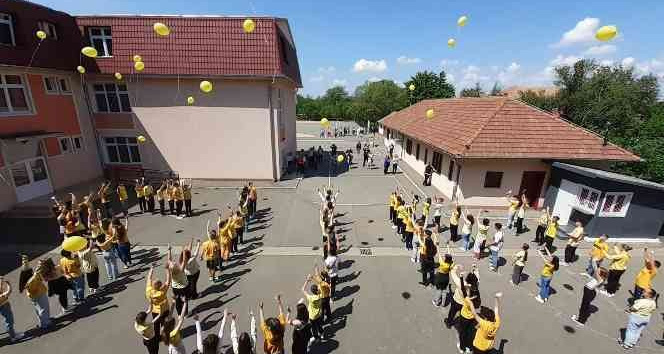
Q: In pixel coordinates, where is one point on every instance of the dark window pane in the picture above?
(95, 31)
(109, 47)
(5, 34)
(99, 88)
(77, 143)
(121, 140)
(493, 179)
(99, 46)
(20, 174)
(110, 140)
(122, 87)
(417, 152)
(3, 102)
(64, 85)
(451, 170)
(124, 102)
(101, 102)
(107, 31)
(113, 104)
(110, 87)
(38, 170)
(124, 153)
(112, 153)
(132, 140)
(135, 155)
(18, 100)
(64, 145)
(49, 83)
(13, 79)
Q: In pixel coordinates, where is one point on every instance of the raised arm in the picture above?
(252, 333)
(197, 249)
(261, 316)
(234, 337)
(280, 305)
(178, 326)
(649, 257)
(199, 334)
(220, 334)
(150, 273)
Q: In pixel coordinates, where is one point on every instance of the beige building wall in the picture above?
(7, 194)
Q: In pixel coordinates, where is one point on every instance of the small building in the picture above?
(606, 202)
(481, 148)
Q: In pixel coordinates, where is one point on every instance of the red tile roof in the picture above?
(498, 127)
(198, 46)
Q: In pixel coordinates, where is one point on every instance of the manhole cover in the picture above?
(366, 251)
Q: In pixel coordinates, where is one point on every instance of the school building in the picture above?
(480, 148)
(59, 128)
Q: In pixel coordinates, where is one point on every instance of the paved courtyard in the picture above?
(382, 308)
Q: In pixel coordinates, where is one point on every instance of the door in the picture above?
(565, 200)
(31, 179)
(531, 185)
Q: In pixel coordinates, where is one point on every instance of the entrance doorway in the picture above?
(31, 178)
(531, 185)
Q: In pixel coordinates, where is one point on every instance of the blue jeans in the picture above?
(466, 241)
(494, 259)
(111, 263)
(591, 269)
(545, 287)
(43, 311)
(8, 315)
(124, 252)
(79, 288)
(510, 219)
(635, 326)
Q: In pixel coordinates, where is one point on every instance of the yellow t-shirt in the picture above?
(444, 268)
(139, 191)
(187, 194)
(551, 229)
(486, 333)
(544, 219)
(324, 289)
(273, 344)
(210, 250)
(393, 200)
(454, 218)
(147, 190)
(71, 267)
(409, 224)
(466, 312)
(600, 248)
(122, 193)
(548, 270)
(175, 337)
(314, 303)
(401, 212)
(645, 277)
(158, 298)
(619, 261)
(426, 207)
(177, 193)
(35, 287)
(513, 205)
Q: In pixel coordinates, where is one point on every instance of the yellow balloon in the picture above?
(89, 52)
(340, 158)
(80, 69)
(430, 113)
(462, 21)
(411, 87)
(451, 42)
(139, 66)
(206, 86)
(136, 58)
(190, 100)
(324, 122)
(118, 76)
(141, 139)
(41, 34)
(74, 243)
(249, 25)
(161, 29)
(606, 33)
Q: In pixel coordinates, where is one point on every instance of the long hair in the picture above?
(244, 344)
(556, 262)
(210, 344)
(166, 329)
(302, 313)
(471, 219)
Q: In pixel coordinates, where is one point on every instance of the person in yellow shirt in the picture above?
(314, 306)
(178, 196)
(619, 260)
(148, 194)
(466, 322)
(273, 329)
(551, 232)
(573, 241)
(186, 191)
(409, 230)
(488, 323)
(171, 335)
(140, 195)
(170, 197)
(597, 254)
(542, 223)
(513, 202)
(71, 268)
(225, 237)
(162, 194)
(322, 280)
(442, 276)
(156, 293)
(551, 265)
(35, 289)
(426, 209)
(392, 201)
(211, 253)
(6, 310)
(646, 274)
(401, 213)
(123, 197)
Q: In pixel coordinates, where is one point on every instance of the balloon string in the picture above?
(34, 53)
(267, 43)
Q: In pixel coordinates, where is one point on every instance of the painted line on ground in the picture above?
(413, 183)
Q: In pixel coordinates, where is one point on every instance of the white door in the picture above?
(31, 179)
(565, 200)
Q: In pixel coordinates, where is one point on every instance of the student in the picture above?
(427, 254)
(179, 282)
(466, 230)
(178, 195)
(646, 274)
(513, 201)
(253, 200)
(409, 229)
(442, 277)
(71, 268)
(395, 165)
(225, 238)
(519, 260)
(314, 307)
(120, 234)
(332, 268)
(386, 165)
(495, 246)
(437, 211)
(521, 214)
(426, 209)
(212, 344)
(482, 237)
(57, 283)
(301, 329)
(488, 323)
(140, 196)
(589, 294)
(575, 238)
(106, 193)
(170, 197)
(597, 253)
(456, 275)
(89, 267)
(551, 265)
(32, 283)
(186, 194)
(418, 240)
(148, 193)
(322, 280)
(466, 324)
(170, 333)
(239, 229)
(123, 196)
(6, 310)
(156, 293)
(273, 329)
(551, 233)
(145, 328)
(619, 260)
(392, 200)
(191, 268)
(542, 224)
(211, 253)
(401, 214)
(454, 223)
(106, 245)
(639, 317)
(162, 194)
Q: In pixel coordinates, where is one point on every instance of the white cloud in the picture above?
(514, 67)
(327, 70)
(607, 62)
(628, 62)
(564, 60)
(339, 82)
(404, 60)
(375, 66)
(446, 62)
(600, 50)
(374, 79)
(317, 78)
(583, 32)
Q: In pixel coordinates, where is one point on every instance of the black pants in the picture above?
(570, 253)
(477, 351)
(171, 206)
(466, 330)
(451, 314)
(317, 327)
(108, 209)
(385, 169)
(178, 207)
(549, 243)
(240, 234)
(162, 207)
(613, 280)
(519, 226)
(142, 204)
(333, 285)
(327, 309)
(159, 322)
(192, 282)
(454, 232)
(150, 202)
(539, 234)
(394, 169)
(436, 221)
(427, 271)
(234, 244)
(408, 236)
(93, 279)
(391, 213)
(516, 274)
(152, 344)
(187, 207)
(62, 298)
(584, 310)
(427, 179)
(181, 297)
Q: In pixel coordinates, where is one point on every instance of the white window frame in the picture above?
(8, 19)
(67, 140)
(81, 143)
(49, 29)
(55, 85)
(103, 38)
(582, 206)
(128, 144)
(616, 214)
(26, 92)
(68, 83)
(117, 97)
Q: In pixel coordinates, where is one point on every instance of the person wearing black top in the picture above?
(428, 171)
(301, 329)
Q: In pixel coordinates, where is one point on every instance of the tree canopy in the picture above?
(472, 91)
(428, 85)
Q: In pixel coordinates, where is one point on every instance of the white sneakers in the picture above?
(576, 320)
(539, 299)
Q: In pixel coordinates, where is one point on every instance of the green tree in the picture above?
(335, 103)
(428, 85)
(472, 91)
(540, 99)
(307, 108)
(375, 100)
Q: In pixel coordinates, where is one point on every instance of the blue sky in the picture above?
(514, 42)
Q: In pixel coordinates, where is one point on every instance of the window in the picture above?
(587, 199)
(101, 39)
(615, 204)
(450, 170)
(417, 152)
(64, 85)
(13, 95)
(6, 29)
(493, 179)
(65, 145)
(51, 85)
(48, 28)
(112, 98)
(77, 143)
(122, 150)
(437, 162)
(409, 146)
(426, 155)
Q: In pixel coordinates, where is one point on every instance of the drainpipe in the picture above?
(86, 98)
(275, 175)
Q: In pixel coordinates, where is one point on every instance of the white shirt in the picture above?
(643, 307)
(191, 267)
(498, 240)
(593, 283)
(332, 265)
(437, 209)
